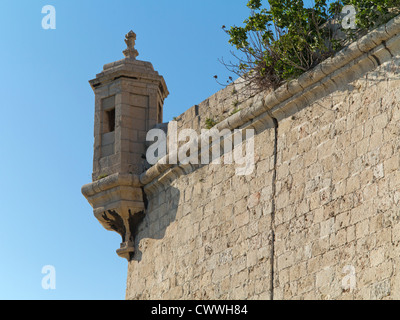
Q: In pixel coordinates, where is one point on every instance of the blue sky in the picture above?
(47, 113)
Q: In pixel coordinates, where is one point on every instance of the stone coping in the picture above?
(345, 66)
(110, 182)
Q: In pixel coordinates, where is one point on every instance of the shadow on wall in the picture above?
(389, 71)
(385, 71)
(160, 213)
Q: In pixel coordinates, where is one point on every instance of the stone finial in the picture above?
(130, 39)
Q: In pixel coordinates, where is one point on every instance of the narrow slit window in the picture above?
(160, 115)
(110, 120)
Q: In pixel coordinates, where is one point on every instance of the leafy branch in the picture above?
(279, 43)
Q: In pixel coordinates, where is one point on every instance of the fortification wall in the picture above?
(320, 208)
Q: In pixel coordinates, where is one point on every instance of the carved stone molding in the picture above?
(118, 204)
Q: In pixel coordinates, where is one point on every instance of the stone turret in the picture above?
(129, 99)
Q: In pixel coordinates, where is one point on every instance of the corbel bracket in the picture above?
(118, 204)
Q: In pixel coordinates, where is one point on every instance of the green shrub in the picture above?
(210, 123)
(279, 43)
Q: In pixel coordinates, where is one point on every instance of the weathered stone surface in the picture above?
(317, 219)
(129, 96)
(208, 233)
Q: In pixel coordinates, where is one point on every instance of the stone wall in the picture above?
(218, 107)
(338, 192)
(206, 235)
(320, 210)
